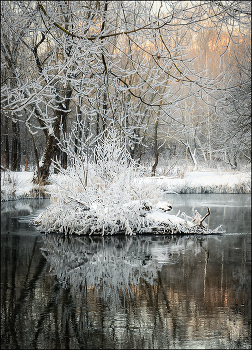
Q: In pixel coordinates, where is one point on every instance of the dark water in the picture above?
(151, 292)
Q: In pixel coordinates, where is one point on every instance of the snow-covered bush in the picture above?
(102, 192)
(9, 185)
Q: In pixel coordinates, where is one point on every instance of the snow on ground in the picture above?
(205, 182)
(157, 216)
(16, 185)
(109, 214)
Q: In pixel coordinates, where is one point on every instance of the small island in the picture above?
(105, 194)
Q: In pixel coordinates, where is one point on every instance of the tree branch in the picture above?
(207, 214)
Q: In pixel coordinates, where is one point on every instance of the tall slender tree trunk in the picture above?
(36, 157)
(105, 107)
(209, 137)
(6, 147)
(78, 138)
(97, 123)
(54, 145)
(154, 167)
(27, 152)
(18, 148)
(193, 156)
(14, 148)
(63, 154)
(202, 150)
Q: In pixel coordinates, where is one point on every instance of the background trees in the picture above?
(157, 71)
(235, 107)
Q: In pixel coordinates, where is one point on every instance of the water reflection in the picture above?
(14, 214)
(111, 265)
(124, 292)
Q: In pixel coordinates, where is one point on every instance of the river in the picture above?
(137, 292)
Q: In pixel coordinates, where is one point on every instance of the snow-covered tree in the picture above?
(106, 62)
(234, 108)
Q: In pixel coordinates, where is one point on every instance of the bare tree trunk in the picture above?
(97, 123)
(18, 148)
(193, 155)
(14, 149)
(63, 154)
(27, 152)
(202, 150)
(6, 149)
(209, 137)
(104, 109)
(155, 149)
(56, 150)
(48, 155)
(36, 157)
(51, 150)
(79, 130)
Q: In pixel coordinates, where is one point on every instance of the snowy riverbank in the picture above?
(205, 182)
(16, 185)
(129, 204)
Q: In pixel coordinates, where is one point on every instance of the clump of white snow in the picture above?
(164, 206)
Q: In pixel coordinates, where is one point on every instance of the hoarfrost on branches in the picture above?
(102, 193)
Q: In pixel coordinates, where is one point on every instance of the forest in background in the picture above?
(173, 78)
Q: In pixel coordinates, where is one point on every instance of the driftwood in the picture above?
(204, 217)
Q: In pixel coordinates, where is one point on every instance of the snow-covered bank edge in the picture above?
(130, 205)
(200, 182)
(18, 185)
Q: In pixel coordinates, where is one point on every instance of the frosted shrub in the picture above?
(104, 195)
(102, 192)
(9, 185)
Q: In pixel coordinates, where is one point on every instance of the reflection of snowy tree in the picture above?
(112, 265)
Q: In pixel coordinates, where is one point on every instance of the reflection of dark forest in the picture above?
(125, 292)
